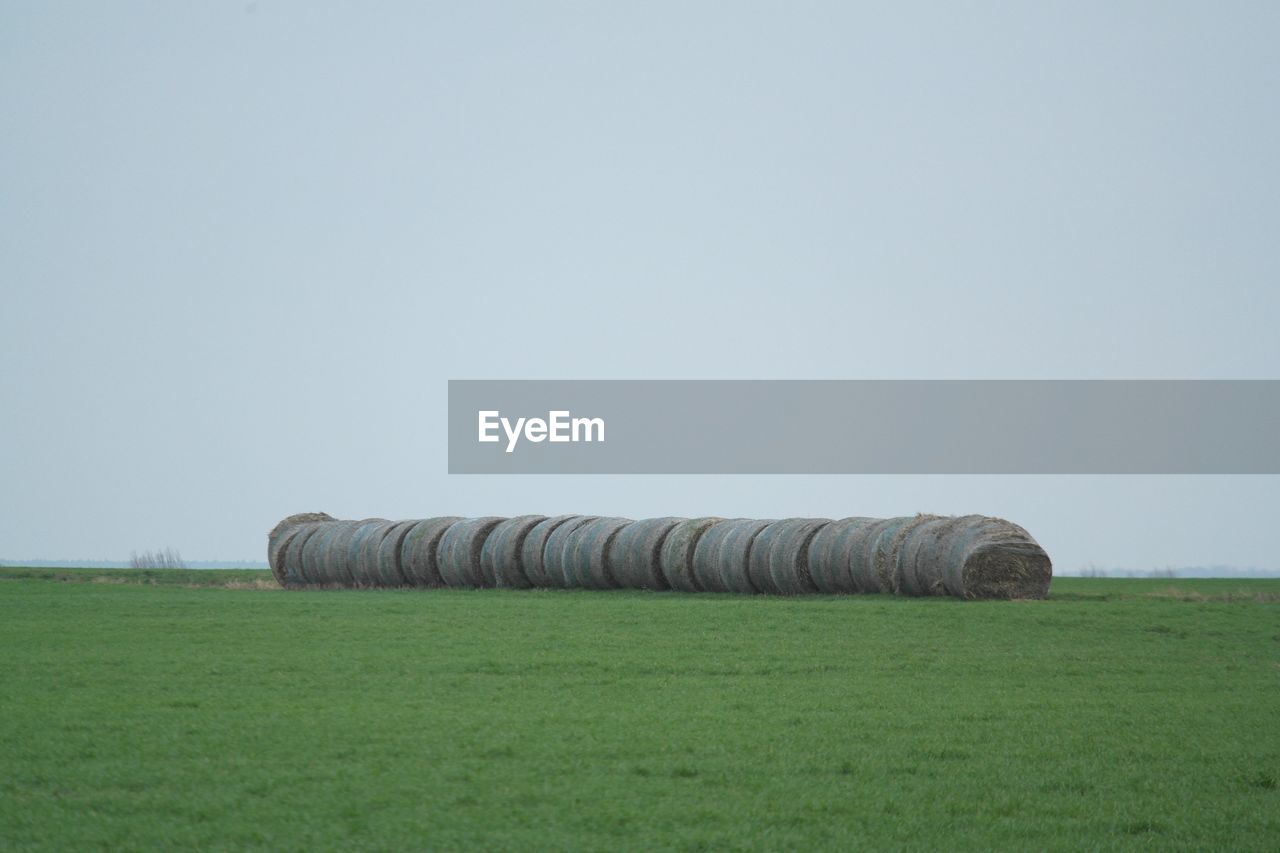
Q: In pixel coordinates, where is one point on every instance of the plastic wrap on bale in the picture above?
(968, 556)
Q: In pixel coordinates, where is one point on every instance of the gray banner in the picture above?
(864, 427)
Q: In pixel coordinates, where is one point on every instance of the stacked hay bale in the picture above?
(969, 556)
(285, 543)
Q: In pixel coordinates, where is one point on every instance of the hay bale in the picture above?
(297, 519)
(314, 551)
(557, 554)
(989, 558)
(315, 555)
(920, 558)
(677, 552)
(282, 534)
(1005, 570)
(418, 558)
(362, 551)
(966, 556)
(830, 553)
(295, 576)
(735, 555)
(721, 560)
(889, 548)
(458, 554)
(779, 558)
(588, 551)
(500, 561)
(338, 569)
(276, 549)
(704, 565)
(386, 561)
(871, 549)
(533, 549)
(959, 545)
(865, 560)
(635, 557)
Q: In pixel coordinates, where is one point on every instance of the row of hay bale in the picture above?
(970, 556)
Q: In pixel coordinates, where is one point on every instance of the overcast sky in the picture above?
(243, 246)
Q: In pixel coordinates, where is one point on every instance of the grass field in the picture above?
(205, 709)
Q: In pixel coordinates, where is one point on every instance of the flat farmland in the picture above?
(207, 709)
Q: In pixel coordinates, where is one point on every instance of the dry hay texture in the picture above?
(635, 557)
(500, 558)
(458, 554)
(969, 556)
(721, 559)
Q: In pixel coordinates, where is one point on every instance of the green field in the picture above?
(205, 710)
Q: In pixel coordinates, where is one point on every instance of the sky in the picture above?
(244, 246)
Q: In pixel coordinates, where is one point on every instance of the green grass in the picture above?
(232, 578)
(174, 714)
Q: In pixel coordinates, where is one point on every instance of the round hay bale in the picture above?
(735, 555)
(386, 559)
(923, 555)
(315, 551)
(588, 550)
(362, 551)
(295, 576)
(635, 558)
(500, 561)
(315, 554)
(757, 565)
(292, 554)
(966, 556)
(418, 559)
(276, 549)
(338, 570)
(995, 558)
(780, 556)
(298, 519)
(865, 559)
(721, 560)
(283, 533)
(458, 553)
(704, 565)
(557, 554)
(533, 549)
(959, 545)
(889, 551)
(830, 551)
(678, 549)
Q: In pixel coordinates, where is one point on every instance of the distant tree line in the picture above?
(1093, 571)
(166, 559)
(40, 562)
